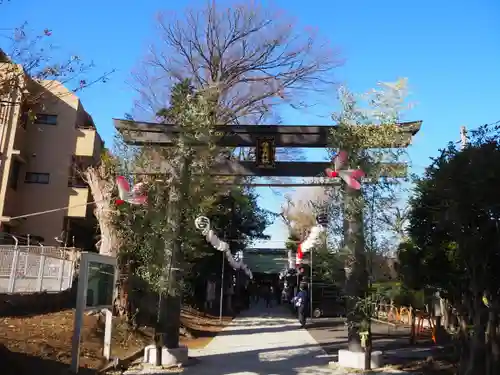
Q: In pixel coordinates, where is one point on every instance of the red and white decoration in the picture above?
(351, 177)
(308, 244)
(137, 195)
(202, 223)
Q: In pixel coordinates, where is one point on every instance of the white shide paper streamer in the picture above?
(202, 223)
(311, 241)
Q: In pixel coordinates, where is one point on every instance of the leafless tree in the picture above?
(299, 212)
(28, 65)
(298, 220)
(396, 220)
(249, 59)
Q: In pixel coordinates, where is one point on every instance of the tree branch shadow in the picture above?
(15, 363)
(285, 360)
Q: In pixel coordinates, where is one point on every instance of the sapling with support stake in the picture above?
(364, 309)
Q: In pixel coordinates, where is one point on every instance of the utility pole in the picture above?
(221, 298)
(463, 137)
(311, 283)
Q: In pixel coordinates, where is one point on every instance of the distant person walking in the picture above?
(245, 295)
(301, 302)
(267, 294)
(277, 294)
(254, 292)
(210, 296)
(229, 298)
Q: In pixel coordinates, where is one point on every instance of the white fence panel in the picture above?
(34, 269)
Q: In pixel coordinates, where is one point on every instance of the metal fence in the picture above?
(25, 269)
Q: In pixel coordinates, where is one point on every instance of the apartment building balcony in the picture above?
(79, 195)
(20, 130)
(11, 204)
(88, 142)
(19, 155)
(78, 201)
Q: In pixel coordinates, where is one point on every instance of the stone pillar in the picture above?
(167, 332)
(356, 273)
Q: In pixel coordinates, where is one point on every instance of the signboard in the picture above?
(96, 291)
(265, 152)
(100, 285)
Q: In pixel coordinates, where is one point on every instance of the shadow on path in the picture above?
(284, 360)
(257, 329)
(262, 341)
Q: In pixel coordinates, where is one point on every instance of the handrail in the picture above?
(16, 241)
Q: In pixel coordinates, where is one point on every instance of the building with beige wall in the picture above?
(42, 153)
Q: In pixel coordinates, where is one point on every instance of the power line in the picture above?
(53, 210)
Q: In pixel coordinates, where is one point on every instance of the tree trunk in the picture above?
(101, 189)
(476, 363)
(122, 305)
(356, 273)
(463, 343)
(413, 330)
(368, 347)
(493, 344)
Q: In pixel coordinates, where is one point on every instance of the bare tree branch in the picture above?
(396, 220)
(299, 212)
(28, 65)
(250, 58)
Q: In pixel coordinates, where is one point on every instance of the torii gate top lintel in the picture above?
(266, 138)
(310, 136)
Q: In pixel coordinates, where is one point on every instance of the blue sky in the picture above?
(449, 50)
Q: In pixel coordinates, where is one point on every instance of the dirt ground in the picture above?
(41, 344)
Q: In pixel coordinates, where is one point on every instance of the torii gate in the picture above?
(265, 138)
